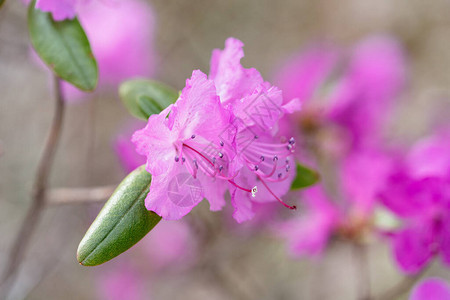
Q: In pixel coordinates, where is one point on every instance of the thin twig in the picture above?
(363, 270)
(33, 215)
(79, 195)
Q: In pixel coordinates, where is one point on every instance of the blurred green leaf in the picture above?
(121, 223)
(144, 97)
(305, 177)
(64, 47)
(1, 3)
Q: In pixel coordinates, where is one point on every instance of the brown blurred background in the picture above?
(186, 33)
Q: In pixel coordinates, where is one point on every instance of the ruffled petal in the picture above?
(233, 81)
(214, 191)
(156, 142)
(243, 208)
(173, 194)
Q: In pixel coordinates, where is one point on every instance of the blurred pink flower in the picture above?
(430, 156)
(60, 9)
(362, 174)
(373, 79)
(351, 90)
(308, 234)
(121, 282)
(348, 211)
(424, 207)
(120, 34)
(125, 149)
(170, 245)
(303, 75)
(419, 194)
(431, 288)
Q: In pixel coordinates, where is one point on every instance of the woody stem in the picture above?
(29, 224)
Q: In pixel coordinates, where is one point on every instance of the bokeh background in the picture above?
(184, 35)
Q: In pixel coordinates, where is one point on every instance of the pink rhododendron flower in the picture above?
(305, 73)
(187, 138)
(220, 135)
(419, 194)
(431, 288)
(263, 159)
(430, 156)
(362, 174)
(375, 76)
(424, 207)
(121, 36)
(349, 94)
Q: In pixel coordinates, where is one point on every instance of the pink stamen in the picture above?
(239, 187)
(275, 196)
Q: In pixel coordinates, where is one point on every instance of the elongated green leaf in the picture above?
(64, 47)
(305, 177)
(121, 223)
(144, 97)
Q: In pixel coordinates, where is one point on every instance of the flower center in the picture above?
(209, 157)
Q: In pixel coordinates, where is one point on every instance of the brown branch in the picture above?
(34, 212)
(79, 195)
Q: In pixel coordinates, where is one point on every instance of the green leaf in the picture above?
(144, 97)
(121, 223)
(64, 47)
(305, 177)
(1, 3)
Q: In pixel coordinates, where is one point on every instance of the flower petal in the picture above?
(173, 194)
(60, 9)
(156, 141)
(413, 248)
(232, 80)
(431, 288)
(243, 208)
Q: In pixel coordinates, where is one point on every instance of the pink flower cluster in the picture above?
(219, 136)
(346, 96)
(346, 103)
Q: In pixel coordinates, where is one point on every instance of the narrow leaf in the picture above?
(121, 223)
(305, 177)
(64, 47)
(143, 98)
